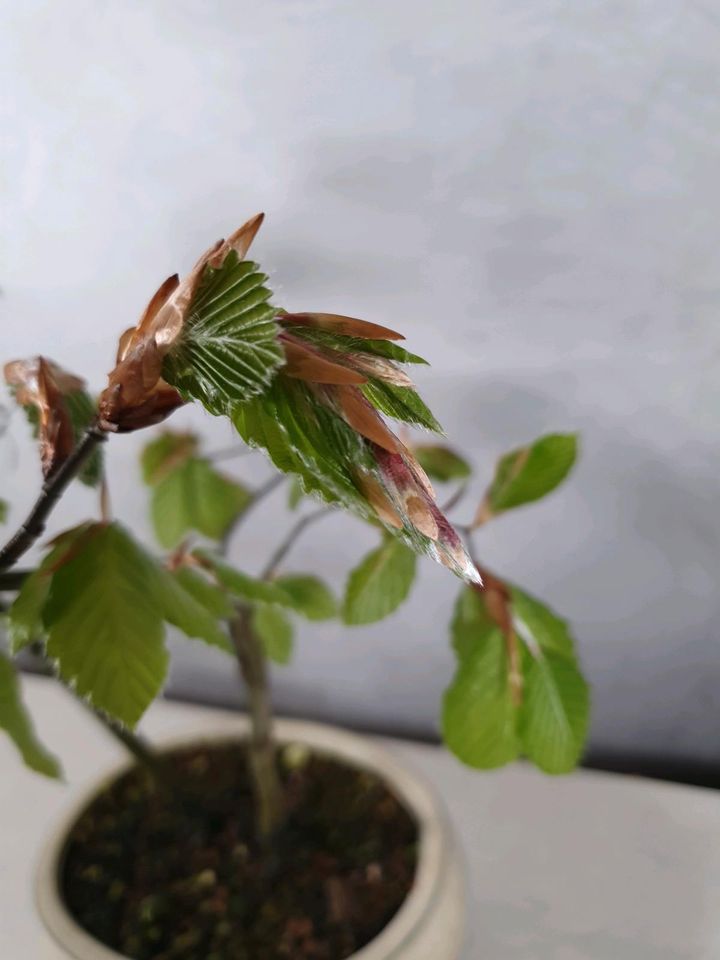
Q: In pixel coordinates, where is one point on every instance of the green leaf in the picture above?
(478, 716)
(165, 453)
(229, 349)
(441, 463)
(539, 627)
(16, 722)
(275, 632)
(304, 437)
(531, 472)
(555, 712)
(25, 624)
(471, 622)
(195, 497)
(379, 584)
(481, 723)
(213, 597)
(377, 348)
(3, 511)
(191, 604)
(401, 403)
(104, 622)
(309, 596)
(25, 616)
(243, 585)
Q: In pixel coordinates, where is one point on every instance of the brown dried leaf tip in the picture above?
(40, 384)
(136, 395)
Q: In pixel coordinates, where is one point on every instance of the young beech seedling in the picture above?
(314, 391)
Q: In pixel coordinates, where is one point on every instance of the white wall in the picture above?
(528, 190)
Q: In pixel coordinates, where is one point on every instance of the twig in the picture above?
(284, 548)
(52, 490)
(455, 499)
(105, 504)
(265, 490)
(134, 744)
(12, 580)
(261, 747)
(228, 453)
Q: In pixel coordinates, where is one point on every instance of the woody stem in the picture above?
(52, 491)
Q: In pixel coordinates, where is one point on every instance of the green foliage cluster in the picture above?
(98, 603)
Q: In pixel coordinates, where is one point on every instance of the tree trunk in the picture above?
(261, 749)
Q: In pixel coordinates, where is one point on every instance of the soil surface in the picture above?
(177, 874)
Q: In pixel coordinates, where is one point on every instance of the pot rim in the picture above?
(433, 833)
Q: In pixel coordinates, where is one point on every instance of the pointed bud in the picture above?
(239, 241)
(363, 417)
(344, 326)
(303, 362)
(378, 367)
(378, 500)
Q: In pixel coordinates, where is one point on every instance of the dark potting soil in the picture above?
(179, 875)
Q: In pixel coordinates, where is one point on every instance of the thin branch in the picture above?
(12, 580)
(455, 499)
(265, 490)
(52, 490)
(134, 744)
(228, 453)
(294, 533)
(105, 504)
(261, 748)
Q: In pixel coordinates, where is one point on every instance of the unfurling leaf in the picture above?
(489, 717)
(59, 410)
(324, 438)
(210, 337)
(229, 350)
(307, 387)
(321, 419)
(379, 584)
(194, 496)
(16, 722)
(275, 631)
(441, 463)
(401, 403)
(309, 596)
(528, 473)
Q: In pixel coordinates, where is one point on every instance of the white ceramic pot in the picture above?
(428, 926)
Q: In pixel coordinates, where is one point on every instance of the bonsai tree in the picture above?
(312, 390)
